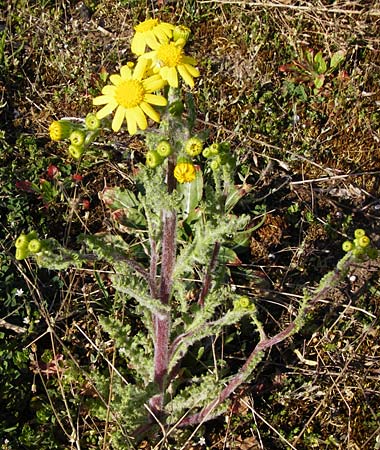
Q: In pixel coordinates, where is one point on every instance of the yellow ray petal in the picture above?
(102, 100)
(106, 110)
(193, 71)
(116, 79)
(118, 118)
(155, 99)
(154, 83)
(109, 90)
(172, 76)
(149, 111)
(187, 78)
(139, 71)
(138, 44)
(125, 72)
(140, 118)
(131, 121)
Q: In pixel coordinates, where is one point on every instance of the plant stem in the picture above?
(161, 323)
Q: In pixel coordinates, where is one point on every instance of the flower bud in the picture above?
(35, 246)
(207, 152)
(193, 146)
(75, 151)
(181, 32)
(359, 232)
(164, 149)
(214, 164)
(347, 246)
(184, 172)
(92, 122)
(21, 253)
(77, 138)
(364, 241)
(22, 241)
(60, 130)
(214, 149)
(153, 159)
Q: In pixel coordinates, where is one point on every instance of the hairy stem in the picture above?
(161, 323)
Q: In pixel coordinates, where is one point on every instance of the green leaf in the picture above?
(320, 63)
(192, 193)
(118, 198)
(318, 81)
(336, 59)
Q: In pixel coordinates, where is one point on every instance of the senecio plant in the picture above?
(177, 232)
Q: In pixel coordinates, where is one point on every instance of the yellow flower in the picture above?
(60, 130)
(151, 32)
(131, 95)
(184, 172)
(169, 59)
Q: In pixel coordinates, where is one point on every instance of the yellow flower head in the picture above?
(169, 59)
(131, 95)
(184, 172)
(150, 33)
(60, 130)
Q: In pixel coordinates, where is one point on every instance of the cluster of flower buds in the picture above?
(157, 156)
(79, 136)
(219, 155)
(360, 246)
(244, 303)
(28, 244)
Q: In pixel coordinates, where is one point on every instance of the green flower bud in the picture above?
(193, 146)
(92, 122)
(347, 246)
(359, 232)
(215, 164)
(21, 253)
(22, 241)
(60, 130)
(207, 152)
(181, 32)
(77, 138)
(153, 159)
(35, 246)
(75, 151)
(364, 241)
(164, 149)
(214, 149)
(244, 302)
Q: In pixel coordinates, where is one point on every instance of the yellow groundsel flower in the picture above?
(131, 95)
(169, 59)
(150, 33)
(184, 172)
(60, 130)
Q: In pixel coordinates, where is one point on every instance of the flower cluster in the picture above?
(131, 93)
(360, 246)
(27, 244)
(79, 136)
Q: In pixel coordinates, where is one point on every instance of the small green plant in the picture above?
(178, 230)
(313, 68)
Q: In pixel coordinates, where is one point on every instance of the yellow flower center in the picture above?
(146, 25)
(129, 93)
(169, 55)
